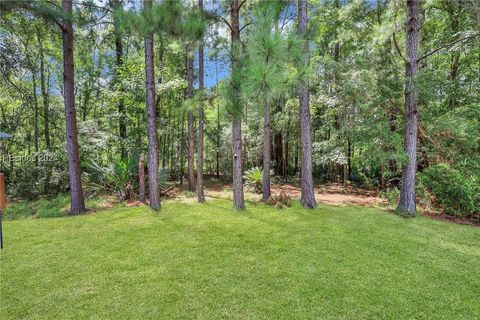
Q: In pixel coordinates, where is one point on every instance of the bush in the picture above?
(29, 181)
(118, 179)
(253, 180)
(392, 195)
(457, 193)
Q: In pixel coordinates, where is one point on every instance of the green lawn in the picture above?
(209, 262)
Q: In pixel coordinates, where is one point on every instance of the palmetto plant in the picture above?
(118, 179)
(163, 178)
(253, 179)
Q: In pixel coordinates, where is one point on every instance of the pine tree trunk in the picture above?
(77, 200)
(46, 121)
(217, 156)
(191, 133)
(201, 85)
(151, 119)
(141, 177)
(453, 14)
(278, 152)
(266, 152)
(43, 88)
(238, 198)
(122, 125)
(308, 196)
(407, 205)
(182, 149)
(36, 136)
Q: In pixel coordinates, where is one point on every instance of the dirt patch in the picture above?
(335, 194)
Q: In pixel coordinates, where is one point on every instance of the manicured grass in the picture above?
(209, 262)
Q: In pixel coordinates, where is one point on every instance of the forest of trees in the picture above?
(380, 94)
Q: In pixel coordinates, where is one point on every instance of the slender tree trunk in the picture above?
(151, 119)
(238, 197)
(287, 145)
(191, 133)
(43, 88)
(122, 124)
(217, 158)
(407, 196)
(266, 151)
(182, 150)
(308, 196)
(278, 144)
(36, 137)
(455, 64)
(201, 85)
(141, 176)
(46, 121)
(77, 200)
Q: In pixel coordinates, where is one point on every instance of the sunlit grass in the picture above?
(209, 261)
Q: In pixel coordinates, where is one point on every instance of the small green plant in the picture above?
(119, 179)
(392, 195)
(253, 180)
(189, 194)
(163, 178)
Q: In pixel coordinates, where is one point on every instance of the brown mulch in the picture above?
(458, 220)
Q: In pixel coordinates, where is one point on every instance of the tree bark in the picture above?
(46, 121)
(407, 205)
(122, 124)
(151, 119)
(141, 176)
(77, 199)
(307, 196)
(266, 151)
(191, 133)
(201, 85)
(182, 149)
(44, 91)
(238, 197)
(455, 64)
(36, 136)
(278, 152)
(217, 156)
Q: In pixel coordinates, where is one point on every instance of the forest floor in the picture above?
(207, 261)
(329, 194)
(332, 194)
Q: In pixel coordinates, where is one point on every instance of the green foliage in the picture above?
(274, 63)
(392, 195)
(163, 178)
(457, 193)
(54, 207)
(171, 17)
(354, 72)
(117, 179)
(253, 179)
(43, 208)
